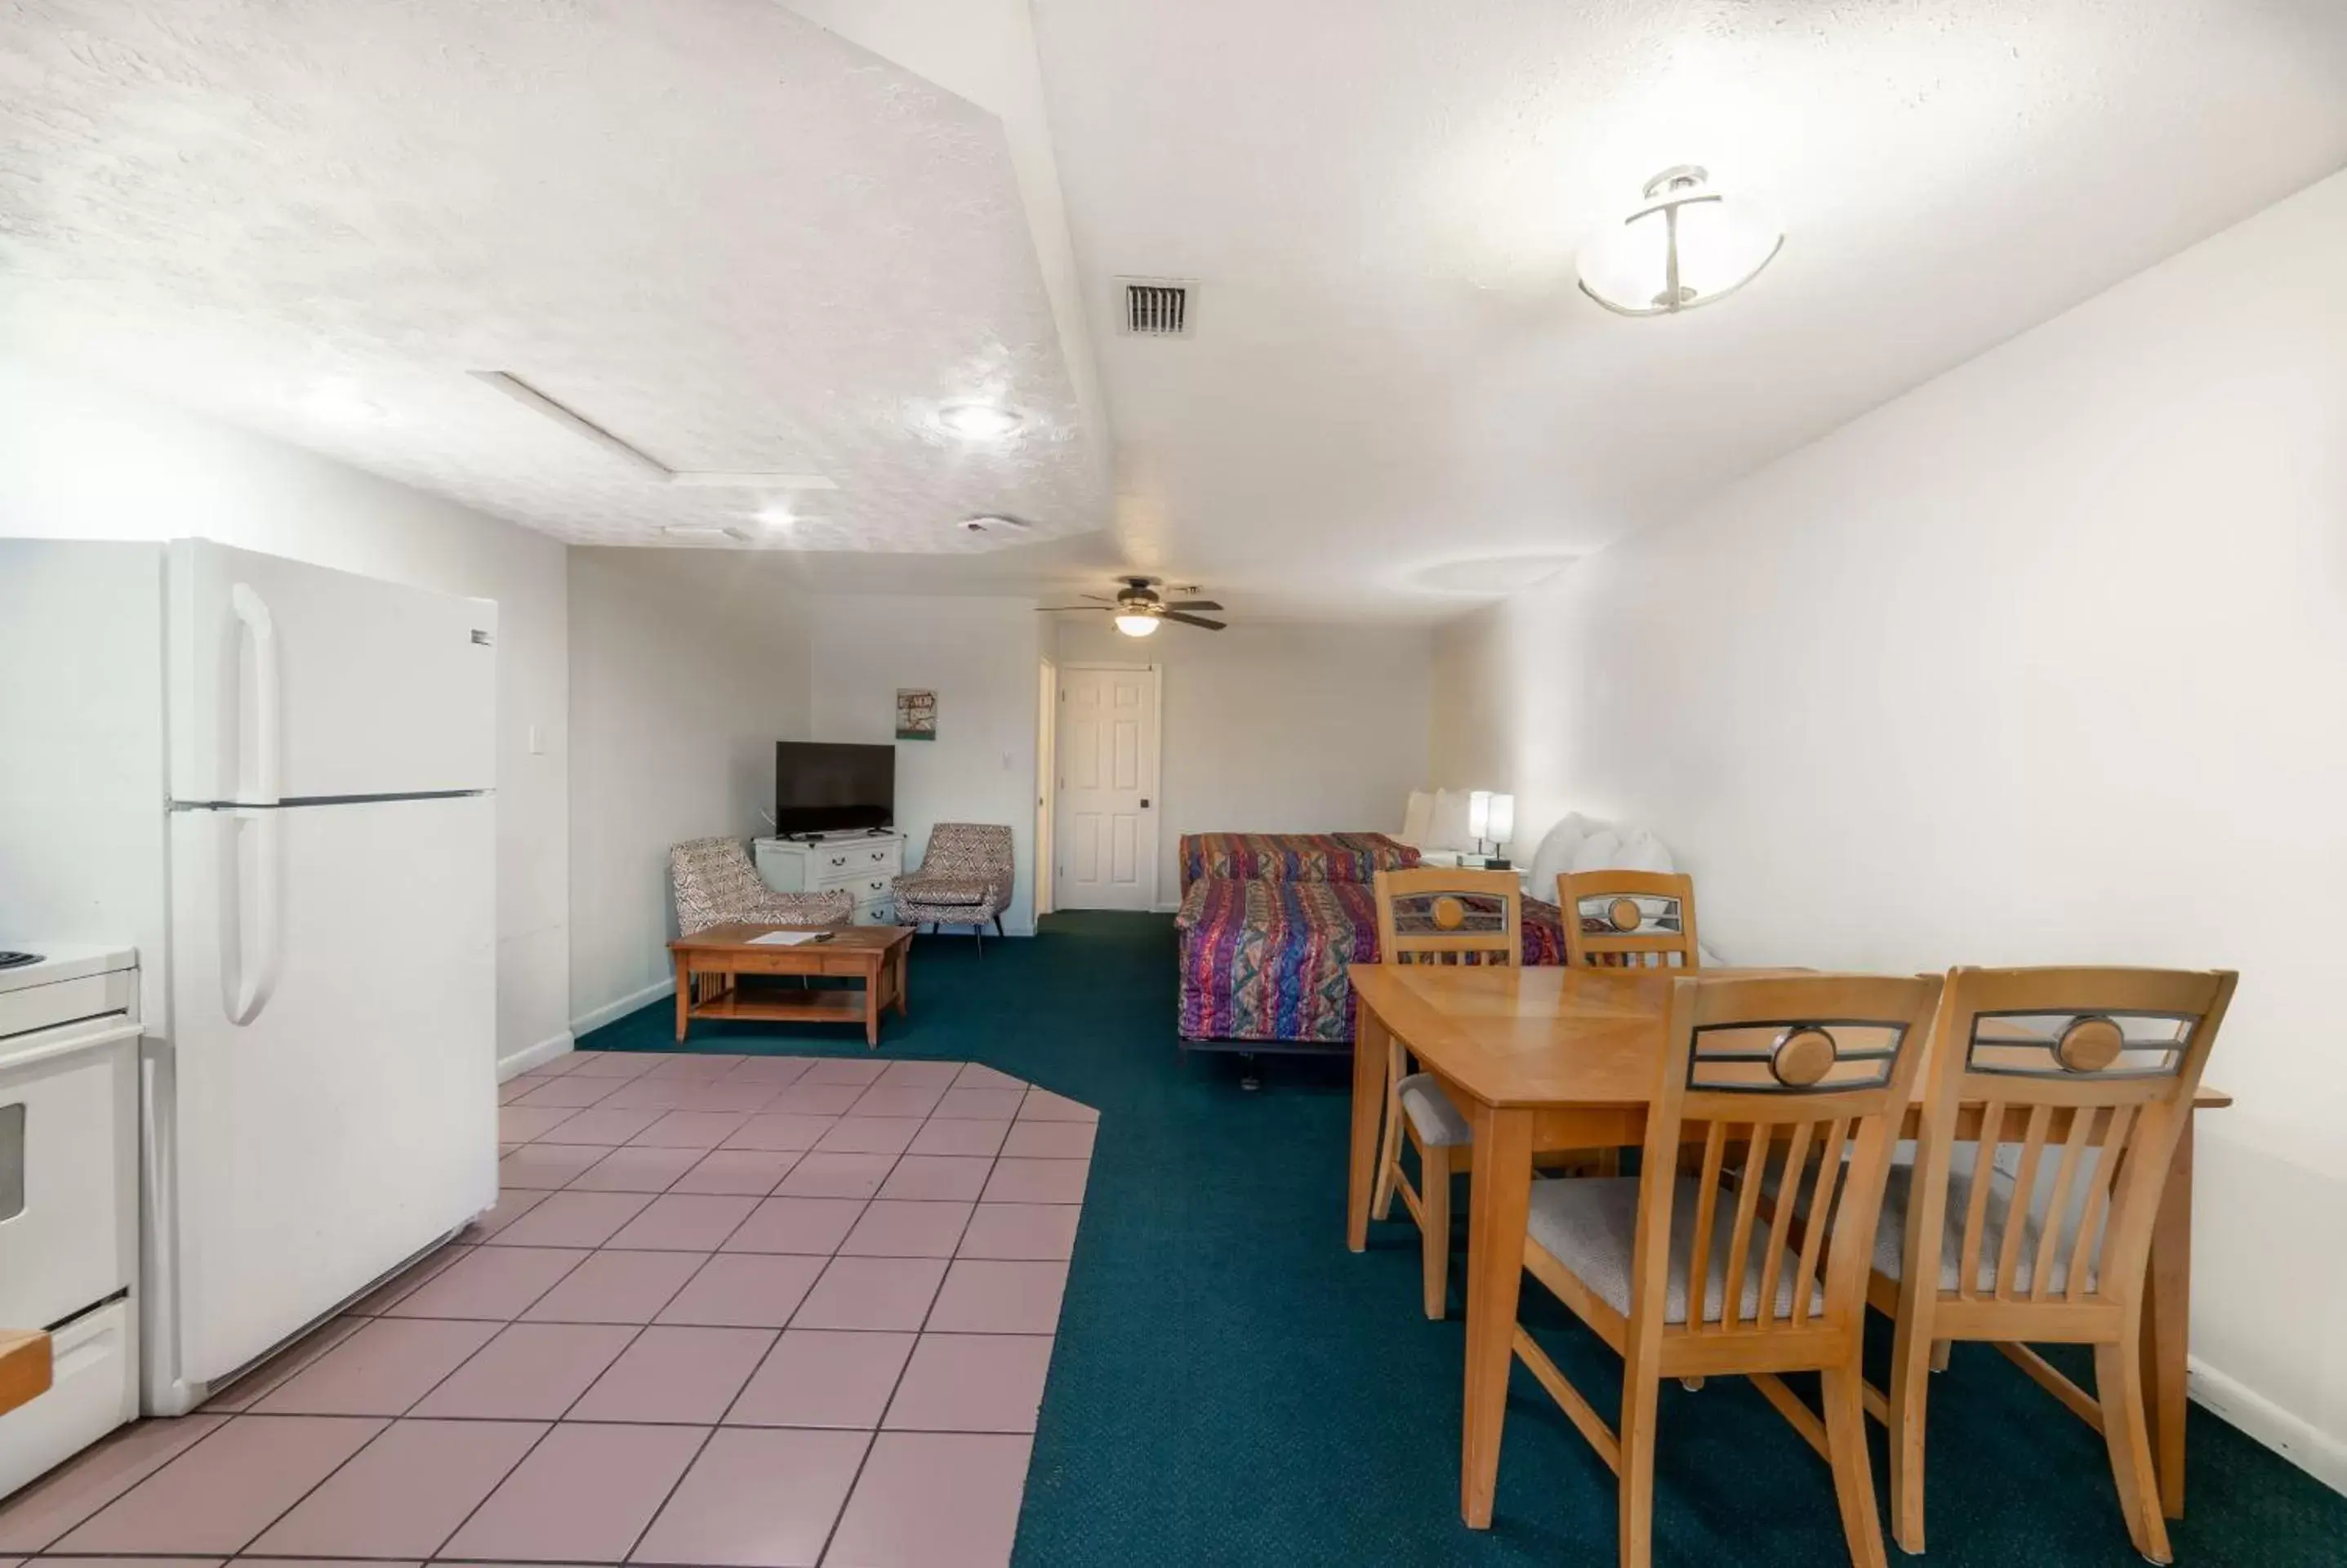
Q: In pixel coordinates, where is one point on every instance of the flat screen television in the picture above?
(820, 788)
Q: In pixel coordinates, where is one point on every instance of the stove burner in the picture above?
(18, 960)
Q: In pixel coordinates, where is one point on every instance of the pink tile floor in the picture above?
(758, 1312)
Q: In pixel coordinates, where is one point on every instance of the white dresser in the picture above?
(864, 865)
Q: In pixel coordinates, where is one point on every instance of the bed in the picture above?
(1263, 959)
(1291, 856)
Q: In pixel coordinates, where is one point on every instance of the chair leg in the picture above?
(998, 925)
(1939, 1349)
(2118, 1381)
(1640, 1396)
(1434, 1239)
(1388, 1146)
(1844, 1389)
(978, 935)
(1913, 1358)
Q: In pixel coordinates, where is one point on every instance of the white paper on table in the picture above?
(786, 938)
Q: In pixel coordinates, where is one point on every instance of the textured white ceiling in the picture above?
(730, 238)
(743, 242)
(1395, 393)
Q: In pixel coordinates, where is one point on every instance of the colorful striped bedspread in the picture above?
(1292, 857)
(1266, 960)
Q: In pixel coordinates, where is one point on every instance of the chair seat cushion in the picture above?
(945, 890)
(1590, 1225)
(1432, 1117)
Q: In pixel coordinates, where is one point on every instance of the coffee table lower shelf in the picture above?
(710, 965)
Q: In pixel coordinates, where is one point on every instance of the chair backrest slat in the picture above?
(1632, 919)
(1796, 1149)
(1739, 1234)
(1440, 914)
(1821, 1206)
(2098, 1197)
(1783, 1072)
(2084, 1077)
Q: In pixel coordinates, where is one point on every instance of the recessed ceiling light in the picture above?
(777, 515)
(1685, 245)
(995, 523)
(974, 421)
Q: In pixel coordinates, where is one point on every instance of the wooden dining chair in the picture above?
(1447, 916)
(1628, 919)
(2053, 1110)
(1799, 1080)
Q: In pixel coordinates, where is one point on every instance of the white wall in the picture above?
(79, 460)
(2045, 661)
(980, 656)
(1276, 728)
(679, 690)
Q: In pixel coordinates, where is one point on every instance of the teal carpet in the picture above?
(1231, 1386)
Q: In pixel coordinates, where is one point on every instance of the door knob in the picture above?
(1144, 804)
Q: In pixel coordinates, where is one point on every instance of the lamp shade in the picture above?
(1686, 245)
(1136, 625)
(1478, 814)
(1503, 818)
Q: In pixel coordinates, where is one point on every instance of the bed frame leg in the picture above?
(1250, 1072)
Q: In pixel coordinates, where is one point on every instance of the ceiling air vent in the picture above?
(1156, 307)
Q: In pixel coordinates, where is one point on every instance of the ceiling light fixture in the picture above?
(1136, 625)
(777, 515)
(975, 421)
(1685, 245)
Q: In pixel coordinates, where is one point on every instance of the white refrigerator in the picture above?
(278, 782)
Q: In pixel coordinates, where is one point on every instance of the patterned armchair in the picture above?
(715, 885)
(964, 879)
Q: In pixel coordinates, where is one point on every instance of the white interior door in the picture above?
(350, 1119)
(1106, 842)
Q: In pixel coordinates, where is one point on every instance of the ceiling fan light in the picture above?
(1686, 245)
(1137, 625)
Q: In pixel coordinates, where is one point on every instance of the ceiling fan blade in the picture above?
(1101, 596)
(1064, 608)
(1193, 621)
(1193, 604)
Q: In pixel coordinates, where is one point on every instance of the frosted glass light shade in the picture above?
(1503, 818)
(1136, 625)
(1478, 815)
(1686, 245)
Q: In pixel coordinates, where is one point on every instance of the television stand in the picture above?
(863, 863)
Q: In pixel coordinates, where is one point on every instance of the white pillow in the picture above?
(1601, 851)
(1554, 855)
(1448, 830)
(1641, 851)
(1417, 819)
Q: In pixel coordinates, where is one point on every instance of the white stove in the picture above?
(69, 1193)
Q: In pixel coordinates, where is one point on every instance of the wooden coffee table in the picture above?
(710, 963)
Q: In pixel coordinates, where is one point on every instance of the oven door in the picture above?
(68, 1169)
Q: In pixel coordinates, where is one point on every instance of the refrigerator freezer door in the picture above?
(350, 1119)
(292, 682)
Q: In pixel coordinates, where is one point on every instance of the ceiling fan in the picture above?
(1138, 607)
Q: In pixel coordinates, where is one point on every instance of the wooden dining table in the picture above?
(1545, 1057)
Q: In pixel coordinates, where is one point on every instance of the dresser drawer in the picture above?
(851, 865)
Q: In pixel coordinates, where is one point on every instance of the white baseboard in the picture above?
(598, 1017)
(1174, 908)
(2319, 1453)
(531, 1056)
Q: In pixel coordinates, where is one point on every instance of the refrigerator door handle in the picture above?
(245, 988)
(259, 787)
